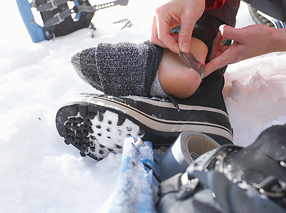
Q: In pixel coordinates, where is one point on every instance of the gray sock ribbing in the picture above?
(156, 88)
(119, 69)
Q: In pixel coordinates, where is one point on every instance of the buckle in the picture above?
(272, 187)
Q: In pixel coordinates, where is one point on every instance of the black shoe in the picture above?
(98, 124)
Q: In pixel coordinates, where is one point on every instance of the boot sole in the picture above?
(98, 125)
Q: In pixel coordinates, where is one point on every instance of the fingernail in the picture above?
(221, 27)
(185, 47)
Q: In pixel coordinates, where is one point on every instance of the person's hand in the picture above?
(171, 14)
(248, 42)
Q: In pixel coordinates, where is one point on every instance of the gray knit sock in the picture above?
(85, 66)
(156, 88)
(119, 69)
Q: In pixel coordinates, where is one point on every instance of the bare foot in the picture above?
(176, 77)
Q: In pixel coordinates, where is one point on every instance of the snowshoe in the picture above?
(57, 16)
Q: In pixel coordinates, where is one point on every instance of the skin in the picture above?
(176, 77)
(248, 42)
(171, 14)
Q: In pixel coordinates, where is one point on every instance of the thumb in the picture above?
(220, 61)
(227, 55)
(185, 35)
(210, 67)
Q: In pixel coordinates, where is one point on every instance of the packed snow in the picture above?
(39, 173)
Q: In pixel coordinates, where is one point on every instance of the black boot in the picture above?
(98, 125)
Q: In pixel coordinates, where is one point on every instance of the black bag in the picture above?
(232, 179)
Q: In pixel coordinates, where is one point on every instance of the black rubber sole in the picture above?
(92, 129)
(98, 125)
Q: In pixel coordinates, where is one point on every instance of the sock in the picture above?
(156, 88)
(84, 63)
(119, 69)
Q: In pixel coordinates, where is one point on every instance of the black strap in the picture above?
(51, 5)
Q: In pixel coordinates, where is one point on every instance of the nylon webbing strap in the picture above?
(50, 5)
(58, 18)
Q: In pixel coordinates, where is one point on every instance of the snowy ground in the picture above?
(39, 173)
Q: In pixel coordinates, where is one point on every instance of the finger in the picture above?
(216, 46)
(219, 62)
(154, 34)
(163, 32)
(231, 33)
(185, 34)
(223, 48)
(217, 41)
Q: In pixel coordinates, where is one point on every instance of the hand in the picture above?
(248, 42)
(171, 14)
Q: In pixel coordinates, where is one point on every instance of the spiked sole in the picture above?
(87, 128)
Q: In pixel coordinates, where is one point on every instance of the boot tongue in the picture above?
(265, 157)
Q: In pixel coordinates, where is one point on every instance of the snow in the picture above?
(39, 173)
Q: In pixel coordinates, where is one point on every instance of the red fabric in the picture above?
(210, 4)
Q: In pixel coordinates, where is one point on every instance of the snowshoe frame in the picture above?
(56, 16)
